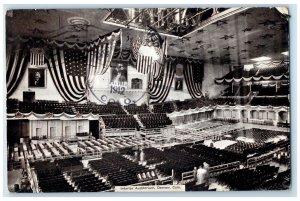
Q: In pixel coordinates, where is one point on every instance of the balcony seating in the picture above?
(155, 120)
(134, 109)
(120, 121)
(270, 101)
(166, 107)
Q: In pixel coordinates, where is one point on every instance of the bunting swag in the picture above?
(73, 68)
(68, 72)
(101, 52)
(159, 88)
(16, 62)
(155, 69)
(193, 87)
(253, 78)
(125, 55)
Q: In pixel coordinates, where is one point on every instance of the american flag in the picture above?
(68, 71)
(75, 62)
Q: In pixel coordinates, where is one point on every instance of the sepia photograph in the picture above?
(182, 99)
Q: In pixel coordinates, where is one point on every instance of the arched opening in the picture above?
(254, 114)
(244, 114)
(283, 117)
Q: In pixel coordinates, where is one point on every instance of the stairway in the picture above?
(125, 110)
(73, 109)
(139, 121)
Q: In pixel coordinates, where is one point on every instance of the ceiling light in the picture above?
(263, 58)
(285, 53)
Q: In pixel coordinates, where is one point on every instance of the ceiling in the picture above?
(230, 39)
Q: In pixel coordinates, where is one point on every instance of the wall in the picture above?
(101, 86)
(59, 127)
(178, 95)
(48, 93)
(212, 71)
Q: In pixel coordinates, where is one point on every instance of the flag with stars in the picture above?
(75, 62)
(68, 69)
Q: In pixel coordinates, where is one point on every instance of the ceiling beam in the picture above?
(170, 13)
(136, 16)
(139, 29)
(217, 17)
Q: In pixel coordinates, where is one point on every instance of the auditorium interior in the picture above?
(99, 99)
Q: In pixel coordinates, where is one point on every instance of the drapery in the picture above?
(253, 78)
(71, 86)
(17, 59)
(73, 67)
(193, 87)
(159, 88)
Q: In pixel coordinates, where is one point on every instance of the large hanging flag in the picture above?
(68, 71)
(149, 52)
(73, 68)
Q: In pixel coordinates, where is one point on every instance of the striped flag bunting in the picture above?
(17, 60)
(160, 88)
(194, 88)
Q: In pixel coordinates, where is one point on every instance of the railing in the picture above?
(188, 175)
(215, 170)
(254, 161)
(120, 132)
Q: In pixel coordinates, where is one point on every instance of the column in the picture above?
(276, 118)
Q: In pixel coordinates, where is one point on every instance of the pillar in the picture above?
(276, 118)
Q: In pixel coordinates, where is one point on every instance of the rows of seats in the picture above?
(12, 105)
(248, 179)
(50, 178)
(69, 164)
(193, 103)
(109, 108)
(213, 156)
(171, 159)
(281, 182)
(271, 90)
(166, 107)
(134, 109)
(272, 101)
(179, 161)
(86, 181)
(185, 157)
(258, 135)
(243, 147)
(155, 120)
(117, 170)
(40, 107)
(120, 121)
